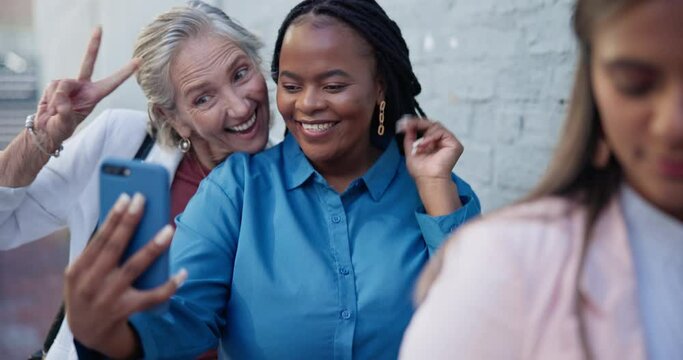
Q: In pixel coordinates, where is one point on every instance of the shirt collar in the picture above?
(377, 179)
(382, 172)
(645, 220)
(297, 167)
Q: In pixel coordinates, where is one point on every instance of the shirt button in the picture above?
(336, 219)
(344, 270)
(346, 314)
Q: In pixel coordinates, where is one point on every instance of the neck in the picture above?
(203, 153)
(341, 171)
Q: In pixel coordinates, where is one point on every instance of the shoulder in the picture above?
(543, 229)
(117, 126)
(240, 166)
(123, 120)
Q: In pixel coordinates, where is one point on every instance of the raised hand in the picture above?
(430, 161)
(66, 103)
(98, 292)
(434, 154)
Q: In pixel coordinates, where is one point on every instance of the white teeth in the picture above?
(317, 127)
(245, 125)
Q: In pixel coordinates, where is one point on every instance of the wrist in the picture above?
(41, 139)
(122, 344)
(433, 181)
(439, 195)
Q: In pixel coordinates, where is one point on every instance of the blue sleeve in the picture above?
(204, 244)
(435, 229)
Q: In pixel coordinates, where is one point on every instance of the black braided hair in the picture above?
(390, 49)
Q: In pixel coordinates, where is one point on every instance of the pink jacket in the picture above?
(507, 289)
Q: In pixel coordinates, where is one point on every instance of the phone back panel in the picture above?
(152, 181)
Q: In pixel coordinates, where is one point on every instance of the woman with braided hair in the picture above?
(310, 249)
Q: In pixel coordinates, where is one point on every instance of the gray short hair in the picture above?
(158, 44)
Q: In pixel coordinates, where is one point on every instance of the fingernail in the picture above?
(121, 203)
(401, 124)
(180, 277)
(164, 236)
(137, 203)
(416, 144)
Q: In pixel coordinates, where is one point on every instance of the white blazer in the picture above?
(66, 191)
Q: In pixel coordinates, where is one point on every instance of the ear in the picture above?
(381, 89)
(602, 154)
(180, 126)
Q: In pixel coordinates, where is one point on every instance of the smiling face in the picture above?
(221, 97)
(637, 70)
(327, 92)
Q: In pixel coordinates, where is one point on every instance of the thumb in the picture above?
(407, 125)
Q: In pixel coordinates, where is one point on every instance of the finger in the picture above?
(61, 98)
(42, 112)
(143, 258)
(413, 123)
(110, 83)
(105, 231)
(121, 234)
(405, 126)
(47, 93)
(143, 300)
(88, 64)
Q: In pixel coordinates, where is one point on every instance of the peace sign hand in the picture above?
(66, 103)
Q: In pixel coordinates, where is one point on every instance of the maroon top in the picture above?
(185, 183)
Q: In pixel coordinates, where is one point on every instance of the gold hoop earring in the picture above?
(380, 128)
(184, 145)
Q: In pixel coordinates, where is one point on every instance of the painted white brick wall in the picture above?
(497, 73)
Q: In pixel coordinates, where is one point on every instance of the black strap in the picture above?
(147, 145)
(141, 154)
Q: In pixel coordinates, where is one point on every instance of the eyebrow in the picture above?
(627, 64)
(234, 63)
(195, 88)
(325, 75)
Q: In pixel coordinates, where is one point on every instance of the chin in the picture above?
(668, 198)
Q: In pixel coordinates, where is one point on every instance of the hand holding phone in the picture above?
(119, 176)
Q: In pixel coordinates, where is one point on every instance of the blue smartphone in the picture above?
(151, 180)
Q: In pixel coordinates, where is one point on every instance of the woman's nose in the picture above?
(237, 106)
(668, 122)
(309, 101)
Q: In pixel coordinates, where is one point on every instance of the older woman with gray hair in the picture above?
(207, 98)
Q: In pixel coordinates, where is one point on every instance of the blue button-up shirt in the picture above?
(281, 266)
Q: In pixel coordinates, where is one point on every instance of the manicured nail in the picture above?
(401, 124)
(416, 144)
(121, 203)
(179, 277)
(164, 236)
(137, 204)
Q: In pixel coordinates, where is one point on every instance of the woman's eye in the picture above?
(335, 88)
(241, 73)
(634, 81)
(201, 100)
(290, 88)
(635, 88)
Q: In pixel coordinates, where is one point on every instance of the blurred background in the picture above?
(497, 73)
